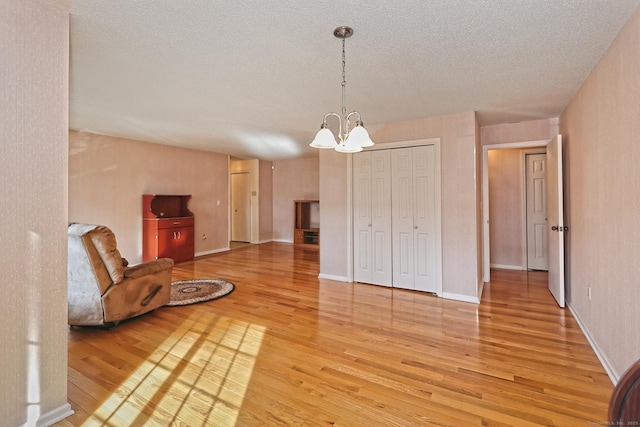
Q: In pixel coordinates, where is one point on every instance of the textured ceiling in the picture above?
(254, 78)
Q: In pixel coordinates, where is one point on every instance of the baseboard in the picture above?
(508, 267)
(260, 242)
(611, 372)
(215, 251)
(53, 416)
(458, 297)
(282, 241)
(332, 277)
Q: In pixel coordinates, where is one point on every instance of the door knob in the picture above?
(554, 228)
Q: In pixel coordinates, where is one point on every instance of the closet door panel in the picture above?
(402, 218)
(362, 217)
(381, 218)
(424, 218)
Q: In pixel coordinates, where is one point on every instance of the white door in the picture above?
(555, 214)
(424, 222)
(362, 217)
(402, 218)
(413, 174)
(536, 177)
(241, 207)
(372, 217)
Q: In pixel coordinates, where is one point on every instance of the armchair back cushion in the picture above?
(101, 289)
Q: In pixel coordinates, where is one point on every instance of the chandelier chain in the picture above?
(344, 79)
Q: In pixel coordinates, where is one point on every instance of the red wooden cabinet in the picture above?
(167, 228)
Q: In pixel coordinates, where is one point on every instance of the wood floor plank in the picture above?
(286, 348)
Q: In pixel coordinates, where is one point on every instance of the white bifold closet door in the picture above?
(394, 218)
(413, 218)
(372, 217)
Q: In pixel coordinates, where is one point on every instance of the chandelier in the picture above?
(352, 139)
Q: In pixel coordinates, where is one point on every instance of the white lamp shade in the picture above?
(342, 148)
(359, 137)
(324, 139)
(349, 146)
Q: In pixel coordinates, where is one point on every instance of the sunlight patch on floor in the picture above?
(195, 377)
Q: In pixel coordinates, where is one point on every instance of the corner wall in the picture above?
(265, 194)
(34, 58)
(108, 176)
(294, 179)
(601, 133)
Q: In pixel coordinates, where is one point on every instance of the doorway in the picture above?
(486, 251)
(241, 207)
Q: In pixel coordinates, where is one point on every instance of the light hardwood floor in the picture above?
(286, 348)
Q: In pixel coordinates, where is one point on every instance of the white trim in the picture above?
(486, 251)
(260, 242)
(438, 218)
(480, 290)
(508, 267)
(459, 297)
(282, 241)
(214, 251)
(53, 416)
(404, 144)
(333, 277)
(438, 202)
(611, 372)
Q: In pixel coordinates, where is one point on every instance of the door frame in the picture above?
(438, 184)
(486, 251)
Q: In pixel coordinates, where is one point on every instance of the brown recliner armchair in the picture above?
(103, 290)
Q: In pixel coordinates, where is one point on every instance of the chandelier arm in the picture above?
(340, 118)
(348, 122)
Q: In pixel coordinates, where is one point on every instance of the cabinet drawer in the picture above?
(175, 223)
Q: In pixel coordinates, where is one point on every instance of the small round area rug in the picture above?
(185, 292)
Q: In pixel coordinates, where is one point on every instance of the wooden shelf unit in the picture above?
(167, 228)
(306, 230)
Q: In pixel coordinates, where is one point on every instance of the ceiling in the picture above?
(254, 78)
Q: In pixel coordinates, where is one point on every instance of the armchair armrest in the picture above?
(148, 268)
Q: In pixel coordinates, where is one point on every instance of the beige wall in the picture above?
(532, 130)
(266, 201)
(34, 55)
(335, 226)
(506, 206)
(461, 258)
(295, 179)
(601, 131)
(108, 176)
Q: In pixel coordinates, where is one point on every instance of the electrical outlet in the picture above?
(589, 288)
